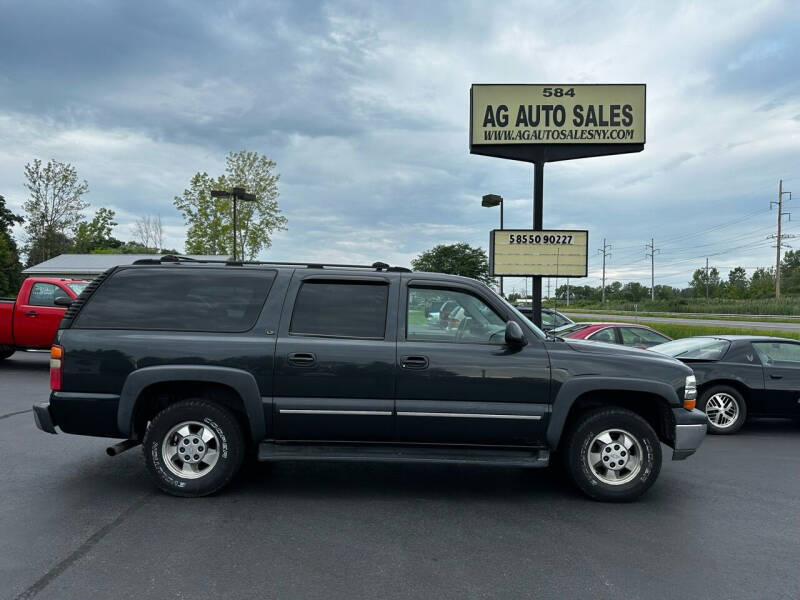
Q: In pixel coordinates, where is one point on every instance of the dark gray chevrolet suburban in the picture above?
(203, 363)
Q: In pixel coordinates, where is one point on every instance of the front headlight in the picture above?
(690, 393)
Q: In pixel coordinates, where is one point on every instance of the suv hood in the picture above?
(590, 347)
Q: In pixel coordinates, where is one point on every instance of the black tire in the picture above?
(582, 438)
(228, 440)
(5, 353)
(726, 393)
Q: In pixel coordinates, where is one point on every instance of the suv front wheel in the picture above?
(613, 455)
(193, 448)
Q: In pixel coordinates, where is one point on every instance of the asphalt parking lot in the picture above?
(75, 523)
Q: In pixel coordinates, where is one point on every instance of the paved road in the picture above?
(792, 327)
(75, 523)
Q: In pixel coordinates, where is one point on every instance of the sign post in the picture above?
(546, 123)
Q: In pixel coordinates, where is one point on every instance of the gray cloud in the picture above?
(364, 106)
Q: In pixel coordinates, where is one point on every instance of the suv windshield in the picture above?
(697, 348)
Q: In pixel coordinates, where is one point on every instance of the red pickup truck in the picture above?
(31, 321)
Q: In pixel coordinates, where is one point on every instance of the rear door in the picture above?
(461, 384)
(37, 317)
(334, 364)
(781, 362)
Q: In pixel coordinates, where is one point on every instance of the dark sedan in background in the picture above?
(740, 376)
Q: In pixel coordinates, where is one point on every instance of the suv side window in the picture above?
(348, 309)
(44, 294)
(226, 300)
(469, 320)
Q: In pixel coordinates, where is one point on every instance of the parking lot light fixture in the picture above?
(237, 193)
(490, 201)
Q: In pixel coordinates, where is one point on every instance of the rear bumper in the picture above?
(85, 413)
(690, 430)
(44, 421)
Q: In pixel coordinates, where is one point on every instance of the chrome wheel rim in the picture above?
(191, 450)
(615, 456)
(722, 410)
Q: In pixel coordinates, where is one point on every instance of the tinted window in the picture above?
(604, 335)
(778, 352)
(178, 299)
(463, 318)
(341, 309)
(699, 348)
(44, 294)
(641, 337)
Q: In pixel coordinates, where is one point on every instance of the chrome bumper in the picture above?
(690, 429)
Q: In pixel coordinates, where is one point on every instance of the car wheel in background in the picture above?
(612, 454)
(725, 409)
(193, 448)
(5, 352)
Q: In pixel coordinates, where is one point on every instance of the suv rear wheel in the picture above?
(193, 448)
(5, 352)
(613, 455)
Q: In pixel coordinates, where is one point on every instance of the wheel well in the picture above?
(737, 385)
(651, 407)
(156, 397)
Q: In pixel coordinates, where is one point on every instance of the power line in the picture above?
(652, 255)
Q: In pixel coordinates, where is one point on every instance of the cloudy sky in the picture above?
(365, 105)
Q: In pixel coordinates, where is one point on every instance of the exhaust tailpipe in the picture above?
(121, 447)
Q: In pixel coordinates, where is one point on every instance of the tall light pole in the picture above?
(490, 201)
(236, 193)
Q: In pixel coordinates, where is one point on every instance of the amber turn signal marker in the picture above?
(55, 352)
(689, 404)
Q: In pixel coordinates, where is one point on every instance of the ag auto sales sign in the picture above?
(557, 114)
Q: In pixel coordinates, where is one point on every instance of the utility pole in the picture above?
(567, 291)
(708, 279)
(652, 256)
(605, 252)
(779, 237)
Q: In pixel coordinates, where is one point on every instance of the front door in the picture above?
(781, 362)
(457, 381)
(335, 356)
(37, 317)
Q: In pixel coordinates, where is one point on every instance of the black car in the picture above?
(202, 362)
(740, 376)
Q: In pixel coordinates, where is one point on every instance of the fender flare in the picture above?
(242, 382)
(575, 387)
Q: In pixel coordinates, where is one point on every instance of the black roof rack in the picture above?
(173, 258)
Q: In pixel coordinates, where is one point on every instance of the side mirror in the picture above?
(514, 335)
(65, 301)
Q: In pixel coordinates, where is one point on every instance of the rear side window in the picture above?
(211, 300)
(341, 309)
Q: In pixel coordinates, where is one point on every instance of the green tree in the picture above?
(762, 283)
(455, 259)
(54, 207)
(210, 219)
(96, 234)
(790, 272)
(701, 278)
(10, 265)
(737, 283)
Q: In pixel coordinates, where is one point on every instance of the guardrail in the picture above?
(742, 317)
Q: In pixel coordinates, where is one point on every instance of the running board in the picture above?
(535, 457)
